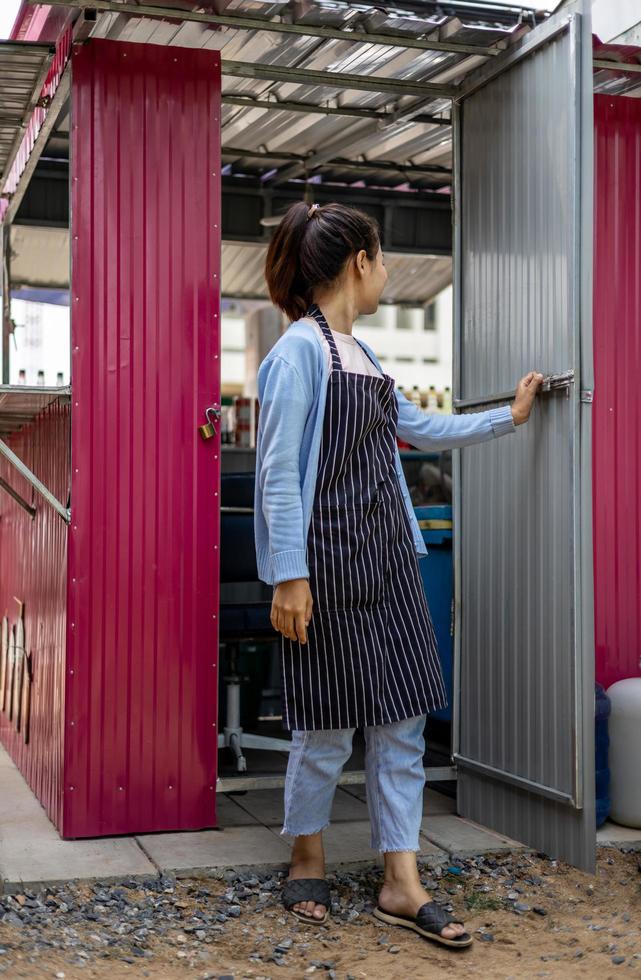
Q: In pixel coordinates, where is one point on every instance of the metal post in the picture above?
(6, 300)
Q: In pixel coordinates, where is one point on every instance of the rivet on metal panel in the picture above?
(73, 626)
(215, 493)
(71, 671)
(76, 348)
(76, 470)
(214, 616)
(76, 405)
(75, 527)
(72, 723)
(170, 787)
(215, 547)
(120, 788)
(72, 787)
(215, 357)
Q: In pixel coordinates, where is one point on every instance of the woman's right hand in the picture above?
(292, 609)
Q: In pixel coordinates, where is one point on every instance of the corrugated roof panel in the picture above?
(412, 279)
(23, 67)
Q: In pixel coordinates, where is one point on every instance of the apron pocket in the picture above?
(346, 555)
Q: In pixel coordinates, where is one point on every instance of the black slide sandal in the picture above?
(428, 922)
(297, 890)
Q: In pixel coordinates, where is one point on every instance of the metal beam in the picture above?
(31, 511)
(247, 102)
(242, 23)
(41, 141)
(33, 101)
(615, 66)
(6, 300)
(232, 784)
(330, 79)
(339, 163)
(37, 484)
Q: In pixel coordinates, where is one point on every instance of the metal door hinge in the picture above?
(587, 396)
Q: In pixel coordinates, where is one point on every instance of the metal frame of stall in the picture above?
(571, 22)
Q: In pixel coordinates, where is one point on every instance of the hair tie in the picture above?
(310, 213)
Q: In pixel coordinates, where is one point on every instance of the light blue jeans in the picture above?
(395, 779)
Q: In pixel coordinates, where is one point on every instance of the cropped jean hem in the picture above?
(303, 833)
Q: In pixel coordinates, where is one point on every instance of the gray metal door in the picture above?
(524, 673)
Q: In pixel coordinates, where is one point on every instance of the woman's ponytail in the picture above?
(310, 248)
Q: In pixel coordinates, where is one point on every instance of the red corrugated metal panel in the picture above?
(143, 595)
(617, 366)
(33, 569)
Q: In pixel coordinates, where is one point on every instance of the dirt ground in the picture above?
(585, 927)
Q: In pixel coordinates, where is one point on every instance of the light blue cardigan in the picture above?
(292, 384)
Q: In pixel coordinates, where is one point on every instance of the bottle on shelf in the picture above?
(59, 379)
(22, 376)
(416, 397)
(41, 378)
(432, 400)
(447, 400)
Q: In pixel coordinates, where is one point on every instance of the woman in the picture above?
(337, 537)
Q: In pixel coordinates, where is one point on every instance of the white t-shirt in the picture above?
(353, 357)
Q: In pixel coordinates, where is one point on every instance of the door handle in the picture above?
(550, 383)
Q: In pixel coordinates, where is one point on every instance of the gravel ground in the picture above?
(531, 917)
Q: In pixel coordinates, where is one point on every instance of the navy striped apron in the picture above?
(371, 655)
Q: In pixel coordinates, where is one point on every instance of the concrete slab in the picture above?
(33, 863)
(231, 813)
(348, 842)
(266, 805)
(433, 801)
(614, 834)
(32, 853)
(437, 803)
(200, 851)
(465, 838)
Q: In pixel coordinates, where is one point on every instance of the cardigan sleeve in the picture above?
(431, 432)
(285, 402)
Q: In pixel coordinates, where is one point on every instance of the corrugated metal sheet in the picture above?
(403, 140)
(617, 359)
(411, 278)
(140, 746)
(22, 68)
(522, 677)
(43, 94)
(33, 570)
(19, 405)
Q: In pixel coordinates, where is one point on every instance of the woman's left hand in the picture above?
(525, 393)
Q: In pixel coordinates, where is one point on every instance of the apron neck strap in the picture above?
(315, 311)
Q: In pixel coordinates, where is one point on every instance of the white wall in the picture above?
(42, 342)
(410, 354)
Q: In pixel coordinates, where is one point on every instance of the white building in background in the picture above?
(414, 344)
(40, 343)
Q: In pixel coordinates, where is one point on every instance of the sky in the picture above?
(8, 11)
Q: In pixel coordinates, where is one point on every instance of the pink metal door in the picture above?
(141, 678)
(617, 363)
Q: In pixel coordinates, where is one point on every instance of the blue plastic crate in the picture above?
(436, 568)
